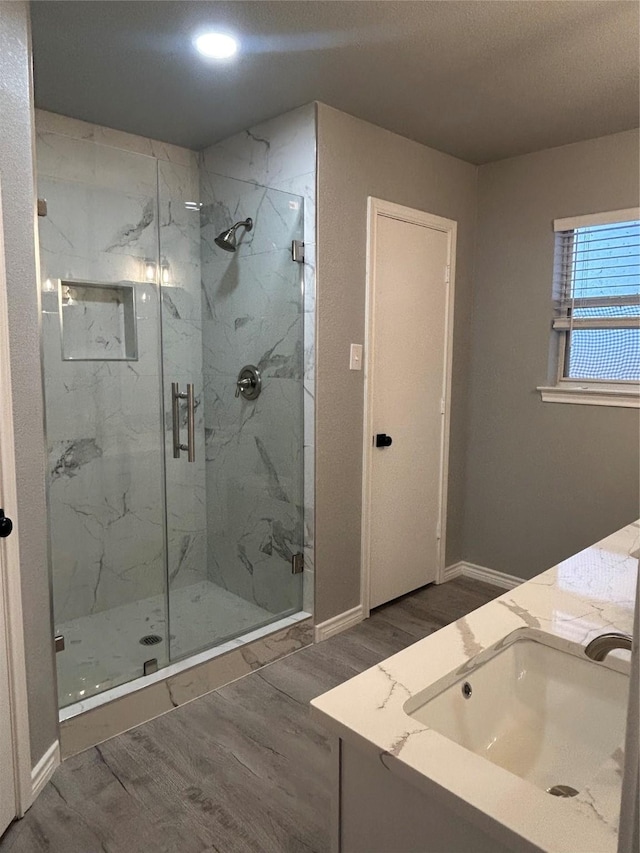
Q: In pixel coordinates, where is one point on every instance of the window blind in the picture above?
(597, 296)
(598, 277)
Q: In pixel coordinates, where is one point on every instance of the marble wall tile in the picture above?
(98, 322)
(305, 186)
(244, 503)
(260, 321)
(75, 128)
(179, 240)
(105, 419)
(254, 479)
(185, 492)
(106, 525)
(105, 486)
(96, 224)
(182, 363)
(92, 165)
(254, 448)
(267, 153)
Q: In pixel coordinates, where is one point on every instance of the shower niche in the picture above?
(97, 321)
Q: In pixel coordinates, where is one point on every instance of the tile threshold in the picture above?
(92, 702)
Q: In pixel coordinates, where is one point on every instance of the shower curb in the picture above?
(157, 696)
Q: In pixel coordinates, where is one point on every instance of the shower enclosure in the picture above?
(174, 408)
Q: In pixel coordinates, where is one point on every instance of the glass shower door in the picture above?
(235, 511)
(101, 365)
(175, 495)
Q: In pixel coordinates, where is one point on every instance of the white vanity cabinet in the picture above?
(376, 811)
(467, 741)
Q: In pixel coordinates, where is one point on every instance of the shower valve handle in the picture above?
(249, 382)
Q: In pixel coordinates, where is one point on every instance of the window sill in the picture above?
(591, 395)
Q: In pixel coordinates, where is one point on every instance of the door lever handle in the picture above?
(383, 440)
(6, 525)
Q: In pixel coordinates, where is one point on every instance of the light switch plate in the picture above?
(355, 357)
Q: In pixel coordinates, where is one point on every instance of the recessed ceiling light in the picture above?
(216, 45)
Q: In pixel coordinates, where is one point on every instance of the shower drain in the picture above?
(150, 640)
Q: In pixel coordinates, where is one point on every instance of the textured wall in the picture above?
(18, 210)
(544, 479)
(356, 160)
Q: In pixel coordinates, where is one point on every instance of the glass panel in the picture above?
(98, 249)
(230, 571)
(605, 266)
(606, 260)
(607, 354)
(182, 365)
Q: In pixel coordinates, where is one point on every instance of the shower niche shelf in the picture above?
(98, 321)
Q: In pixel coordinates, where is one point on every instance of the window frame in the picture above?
(599, 392)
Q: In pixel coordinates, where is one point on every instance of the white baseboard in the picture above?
(44, 769)
(352, 617)
(451, 572)
(338, 623)
(481, 573)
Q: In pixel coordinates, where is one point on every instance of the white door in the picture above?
(7, 776)
(409, 330)
(15, 759)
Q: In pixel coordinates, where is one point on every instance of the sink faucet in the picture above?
(600, 646)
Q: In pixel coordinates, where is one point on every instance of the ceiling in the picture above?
(479, 80)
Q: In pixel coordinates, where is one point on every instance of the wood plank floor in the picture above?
(241, 769)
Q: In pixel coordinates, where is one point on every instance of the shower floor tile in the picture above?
(104, 650)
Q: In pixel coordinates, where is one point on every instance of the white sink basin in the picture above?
(545, 715)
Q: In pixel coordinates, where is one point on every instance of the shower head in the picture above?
(227, 240)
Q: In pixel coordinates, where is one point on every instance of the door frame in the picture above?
(379, 207)
(10, 588)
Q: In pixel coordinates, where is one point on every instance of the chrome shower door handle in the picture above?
(175, 419)
(191, 424)
(176, 396)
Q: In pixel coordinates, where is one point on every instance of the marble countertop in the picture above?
(575, 601)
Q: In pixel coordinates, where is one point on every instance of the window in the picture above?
(597, 309)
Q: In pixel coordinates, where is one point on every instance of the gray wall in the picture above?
(356, 160)
(18, 206)
(544, 479)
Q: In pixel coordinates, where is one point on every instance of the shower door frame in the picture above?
(10, 585)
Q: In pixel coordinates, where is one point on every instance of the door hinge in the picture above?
(439, 530)
(297, 564)
(297, 251)
(42, 207)
(442, 406)
(447, 274)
